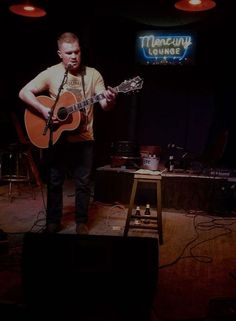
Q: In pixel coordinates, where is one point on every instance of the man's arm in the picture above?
(28, 95)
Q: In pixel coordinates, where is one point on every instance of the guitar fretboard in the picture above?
(85, 103)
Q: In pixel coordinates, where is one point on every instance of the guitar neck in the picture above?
(83, 104)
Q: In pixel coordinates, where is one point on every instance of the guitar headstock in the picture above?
(130, 85)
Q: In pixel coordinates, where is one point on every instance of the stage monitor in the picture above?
(91, 277)
(165, 47)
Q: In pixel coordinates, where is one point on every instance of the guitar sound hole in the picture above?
(62, 113)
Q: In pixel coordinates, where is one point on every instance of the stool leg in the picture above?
(10, 190)
(131, 203)
(18, 159)
(10, 178)
(159, 212)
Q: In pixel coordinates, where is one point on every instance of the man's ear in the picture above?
(59, 54)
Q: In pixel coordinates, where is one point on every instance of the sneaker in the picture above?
(81, 228)
(52, 228)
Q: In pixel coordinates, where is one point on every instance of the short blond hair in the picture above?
(68, 37)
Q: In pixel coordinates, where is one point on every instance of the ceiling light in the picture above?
(195, 5)
(27, 9)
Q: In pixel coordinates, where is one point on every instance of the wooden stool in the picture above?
(145, 178)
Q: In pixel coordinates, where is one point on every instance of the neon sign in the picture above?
(165, 48)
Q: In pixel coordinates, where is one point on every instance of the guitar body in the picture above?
(67, 111)
(35, 123)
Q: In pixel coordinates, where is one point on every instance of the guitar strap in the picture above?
(82, 77)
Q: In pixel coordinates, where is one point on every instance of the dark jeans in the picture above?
(76, 159)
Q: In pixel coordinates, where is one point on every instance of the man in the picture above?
(74, 148)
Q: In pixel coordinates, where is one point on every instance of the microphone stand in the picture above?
(49, 126)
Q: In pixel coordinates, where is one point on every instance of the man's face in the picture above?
(70, 53)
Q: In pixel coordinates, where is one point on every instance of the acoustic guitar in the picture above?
(67, 111)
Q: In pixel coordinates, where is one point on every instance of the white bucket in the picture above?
(151, 163)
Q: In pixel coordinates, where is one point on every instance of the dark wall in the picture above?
(185, 105)
(188, 106)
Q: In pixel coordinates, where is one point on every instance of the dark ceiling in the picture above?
(101, 26)
(158, 13)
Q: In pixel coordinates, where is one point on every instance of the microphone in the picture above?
(175, 146)
(69, 66)
(184, 155)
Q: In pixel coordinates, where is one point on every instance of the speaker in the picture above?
(96, 277)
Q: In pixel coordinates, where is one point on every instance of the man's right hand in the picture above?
(47, 113)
